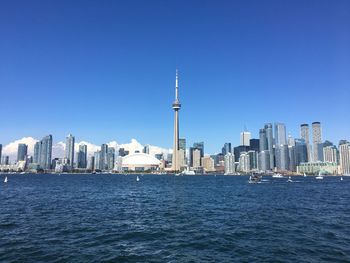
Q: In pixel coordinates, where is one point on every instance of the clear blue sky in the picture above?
(104, 70)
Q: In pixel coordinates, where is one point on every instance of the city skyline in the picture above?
(238, 66)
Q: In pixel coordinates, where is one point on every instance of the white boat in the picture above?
(5, 181)
(304, 174)
(289, 180)
(319, 176)
(188, 172)
(277, 176)
(255, 179)
(137, 179)
(341, 178)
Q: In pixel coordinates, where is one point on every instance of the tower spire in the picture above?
(177, 86)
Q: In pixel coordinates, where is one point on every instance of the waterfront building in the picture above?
(6, 160)
(270, 142)
(182, 158)
(82, 157)
(253, 160)
(317, 167)
(344, 157)
(97, 161)
(36, 155)
(245, 138)
(22, 152)
(200, 147)
(196, 158)
(282, 157)
(45, 152)
(263, 140)
(208, 164)
(103, 162)
(244, 162)
(305, 134)
(291, 153)
(92, 163)
(264, 161)
(176, 107)
(316, 140)
(300, 151)
(330, 154)
(229, 163)
(70, 141)
(111, 158)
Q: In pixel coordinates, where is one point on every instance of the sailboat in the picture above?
(137, 178)
(304, 174)
(5, 181)
(341, 178)
(289, 180)
(319, 177)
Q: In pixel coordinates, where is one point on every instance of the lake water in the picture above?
(162, 218)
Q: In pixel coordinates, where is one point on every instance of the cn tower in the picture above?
(176, 106)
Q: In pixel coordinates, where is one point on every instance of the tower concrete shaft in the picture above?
(176, 106)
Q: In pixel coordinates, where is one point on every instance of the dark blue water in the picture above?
(101, 218)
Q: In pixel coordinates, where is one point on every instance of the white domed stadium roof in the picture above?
(140, 159)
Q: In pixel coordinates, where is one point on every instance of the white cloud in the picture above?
(11, 148)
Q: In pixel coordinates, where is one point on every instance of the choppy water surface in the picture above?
(94, 218)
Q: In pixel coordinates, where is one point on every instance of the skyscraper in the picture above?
(103, 161)
(316, 140)
(200, 147)
(269, 137)
(304, 134)
(264, 161)
(282, 154)
(22, 152)
(330, 154)
(176, 107)
(344, 157)
(229, 163)
(0, 152)
(70, 140)
(182, 148)
(263, 140)
(82, 156)
(196, 158)
(36, 157)
(97, 159)
(280, 134)
(300, 151)
(226, 148)
(245, 138)
(282, 157)
(45, 149)
(111, 158)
